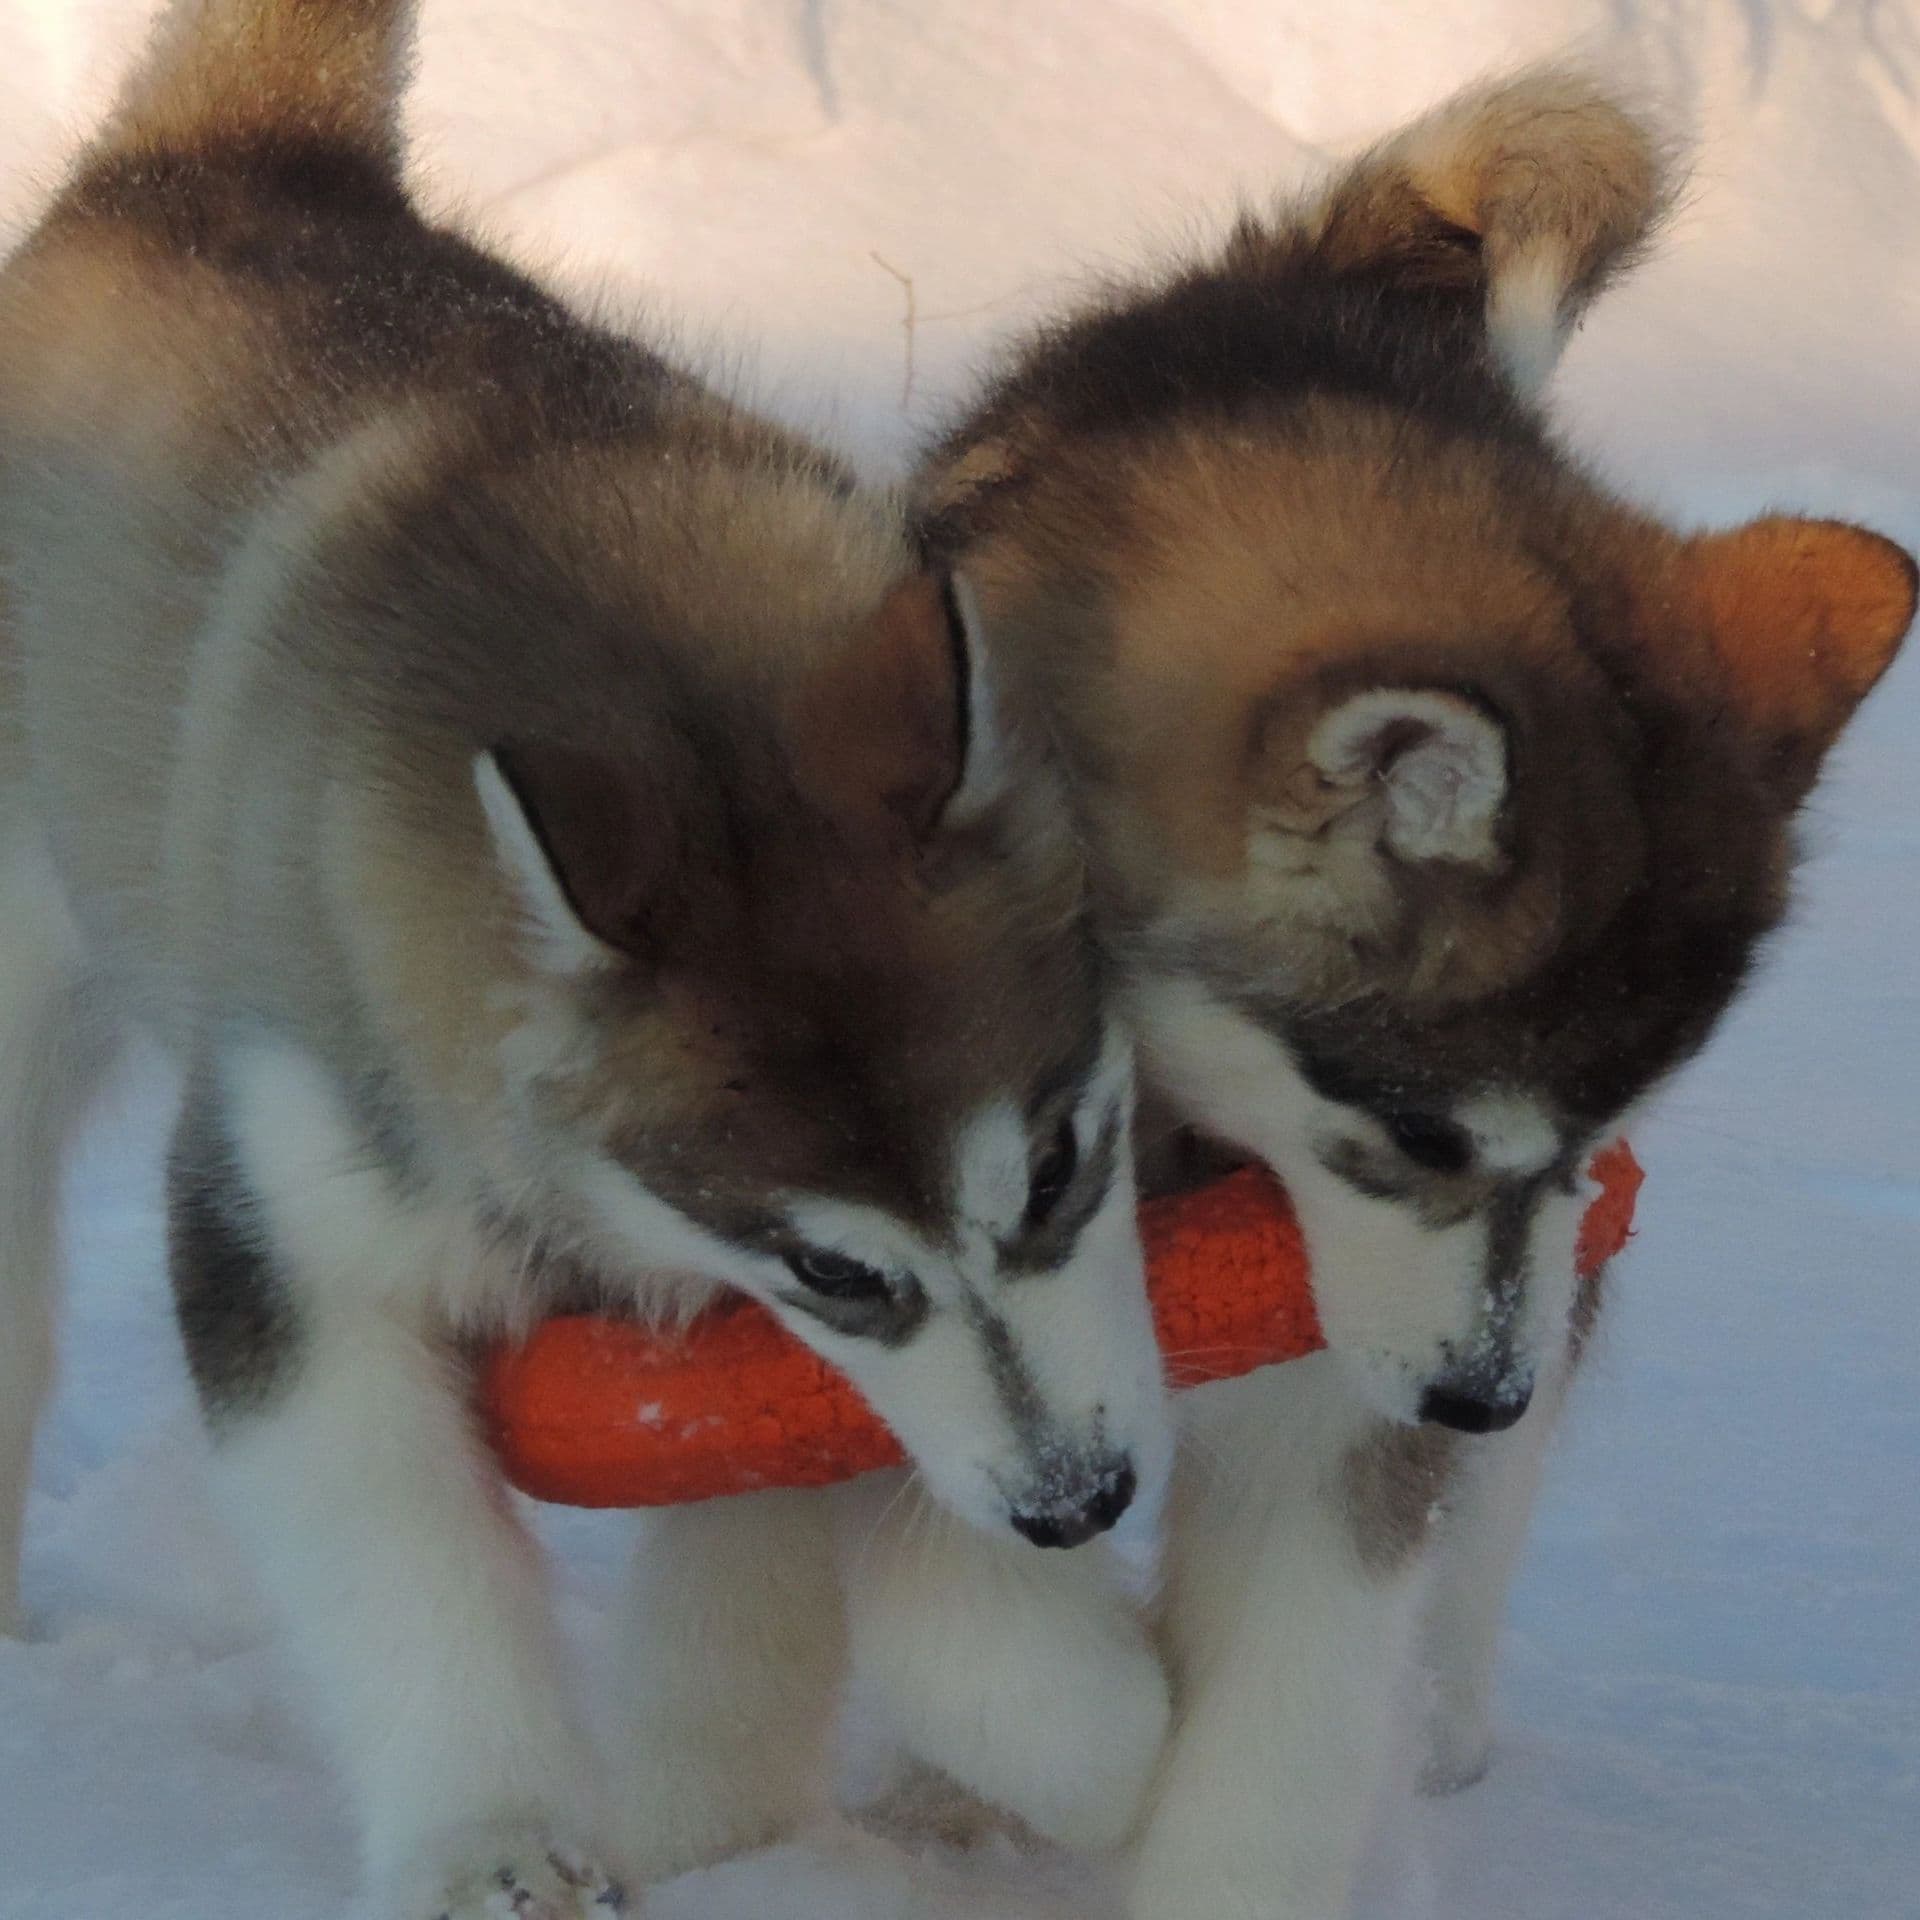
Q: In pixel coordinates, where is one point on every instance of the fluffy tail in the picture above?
(319, 72)
(1536, 190)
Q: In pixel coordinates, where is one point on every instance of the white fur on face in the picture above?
(1074, 1346)
(1510, 1134)
(1015, 1387)
(1401, 1301)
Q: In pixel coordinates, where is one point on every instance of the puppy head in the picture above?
(1439, 805)
(1438, 801)
(781, 948)
(1434, 934)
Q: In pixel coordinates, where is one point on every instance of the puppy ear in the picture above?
(901, 734)
(987, 758)
(1805, 615)
(1418, 772)
(1536, 191)
(578, 842)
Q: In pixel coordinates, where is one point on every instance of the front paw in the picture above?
(512, 1872)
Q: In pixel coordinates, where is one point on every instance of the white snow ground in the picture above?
(1712, 1696)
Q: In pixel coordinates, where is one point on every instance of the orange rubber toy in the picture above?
(598, 1412)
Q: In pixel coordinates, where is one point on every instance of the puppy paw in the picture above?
(515, 1873)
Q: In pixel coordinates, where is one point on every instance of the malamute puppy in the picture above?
(1440, 801)
(559, 827)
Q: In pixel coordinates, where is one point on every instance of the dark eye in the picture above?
(1054, 1175)
(838, 1277)
(1430, 1142)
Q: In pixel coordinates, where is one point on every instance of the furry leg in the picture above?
(345, 1457)
(52, 1051)
(1480, 1545)
(1026, 1676)
(733, 1648)
(1290, 1656)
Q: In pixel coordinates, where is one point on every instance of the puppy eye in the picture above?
(1054, 1175)
(1430, 1142)
(838, 1277)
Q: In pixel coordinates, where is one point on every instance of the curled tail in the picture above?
(1535, 190)
(327, 72)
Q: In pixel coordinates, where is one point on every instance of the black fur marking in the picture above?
(1245, 338)
(1364, 1172)
(960, 650)
(1485, 1377)
(1045, 1246)
(1509, 1217)
(1013, 1384)
(237, 1318)
(890, 1323)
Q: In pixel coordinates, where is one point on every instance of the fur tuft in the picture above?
(325, 72)
(1542, 188)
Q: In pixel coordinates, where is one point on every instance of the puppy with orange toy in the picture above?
(1439, 801)
(597, 1412)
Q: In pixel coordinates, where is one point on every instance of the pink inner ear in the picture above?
(877, 735)
(1806, 614)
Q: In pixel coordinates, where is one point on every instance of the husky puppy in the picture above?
(559, 827)
(1440, 801)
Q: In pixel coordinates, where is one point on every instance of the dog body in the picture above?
(559, 829)
(1439, 802)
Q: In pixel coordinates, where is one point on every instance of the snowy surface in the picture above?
(1712, 1695)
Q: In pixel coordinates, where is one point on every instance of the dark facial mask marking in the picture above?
(1013, 1384)
(890, 1323)
(1046, 1246)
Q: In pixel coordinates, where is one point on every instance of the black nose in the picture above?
(1069, 1526)
(1473, 1412)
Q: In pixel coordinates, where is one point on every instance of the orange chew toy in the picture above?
(597, 1412)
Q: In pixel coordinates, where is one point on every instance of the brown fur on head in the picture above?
(816, 913)
(1440, 799)
(575, 793)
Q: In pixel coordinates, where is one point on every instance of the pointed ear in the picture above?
(901, 732)
(1420, 771)
(986, 749)
(573, 834)
(1805, 615)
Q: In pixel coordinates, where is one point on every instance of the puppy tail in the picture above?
(322, 74)
(1535, 191)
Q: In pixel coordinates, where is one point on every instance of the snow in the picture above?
(1712, 1686)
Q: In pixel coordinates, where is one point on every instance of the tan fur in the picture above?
(1293, 572)
(1806, 615)
(321, 69)
(1394, 1488)
(1544, 166)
